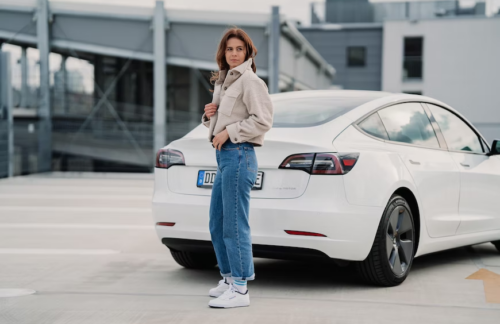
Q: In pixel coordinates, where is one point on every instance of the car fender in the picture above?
(377, 174)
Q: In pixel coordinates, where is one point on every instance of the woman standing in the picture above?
(240, 114)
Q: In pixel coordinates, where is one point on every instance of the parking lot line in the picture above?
(59, 251)
(74, 209)
(75, 226)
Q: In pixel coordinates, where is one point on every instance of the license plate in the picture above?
(206, 179)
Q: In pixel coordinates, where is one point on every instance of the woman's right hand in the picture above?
(210, 110)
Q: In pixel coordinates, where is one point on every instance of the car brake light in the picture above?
(348, 160)
(326, 163)
(165, 158)
(321, 163)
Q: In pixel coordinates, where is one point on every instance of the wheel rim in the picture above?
(399, 241)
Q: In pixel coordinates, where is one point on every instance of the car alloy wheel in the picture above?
(393, 249)
(399, 240)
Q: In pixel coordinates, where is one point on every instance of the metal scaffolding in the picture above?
(142, 83)
(6, 119)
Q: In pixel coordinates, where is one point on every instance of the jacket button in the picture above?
(225, 88)
(231, 73)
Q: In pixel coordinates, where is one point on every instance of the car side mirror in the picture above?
(495, 148)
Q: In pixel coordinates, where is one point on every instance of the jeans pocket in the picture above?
(251, 160)
(229, 147)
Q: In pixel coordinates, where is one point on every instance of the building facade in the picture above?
(453, 60)
(354, 49)
(103, 87)
(434, 48)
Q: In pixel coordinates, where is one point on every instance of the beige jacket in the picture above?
(244, 106)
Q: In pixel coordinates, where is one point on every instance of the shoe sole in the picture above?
(215, 296)
(228, 307)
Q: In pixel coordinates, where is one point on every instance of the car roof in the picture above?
(374, 99)
(330, 93)
(391, 99)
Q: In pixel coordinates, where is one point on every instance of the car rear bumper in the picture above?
(258, 250)
(323, 209)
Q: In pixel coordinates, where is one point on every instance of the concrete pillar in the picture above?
(159, 78)
(274, 53)
(24, 79)
(98, 77)
(194, 99)
(44, 129)
(64, 85)
(6, 118)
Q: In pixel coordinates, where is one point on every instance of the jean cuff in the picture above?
(225, 275)
(252, 277)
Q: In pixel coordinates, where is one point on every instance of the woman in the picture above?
(240, 114)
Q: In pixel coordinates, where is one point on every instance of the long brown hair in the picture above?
(221, 51)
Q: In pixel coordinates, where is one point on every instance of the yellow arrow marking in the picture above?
(491, 282)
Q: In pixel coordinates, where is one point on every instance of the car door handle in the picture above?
(465, 165)
(414, 162)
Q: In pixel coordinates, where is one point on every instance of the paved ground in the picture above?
(87, 246)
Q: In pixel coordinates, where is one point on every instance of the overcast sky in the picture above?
(293, 9)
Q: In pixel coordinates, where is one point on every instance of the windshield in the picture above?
(312, 111)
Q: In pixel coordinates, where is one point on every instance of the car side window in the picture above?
(408, 123)
(458, 135)
(373, 126)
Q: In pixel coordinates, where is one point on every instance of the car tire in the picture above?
(393, 250)
(497, 245)
(191, 260)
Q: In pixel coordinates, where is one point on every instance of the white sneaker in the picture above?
(220, 289)
(231, 298)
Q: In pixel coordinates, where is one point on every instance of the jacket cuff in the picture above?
(205, 121)
(232, 131)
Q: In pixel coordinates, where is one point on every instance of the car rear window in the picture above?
(312, 111)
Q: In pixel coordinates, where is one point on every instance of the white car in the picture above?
(372, 177)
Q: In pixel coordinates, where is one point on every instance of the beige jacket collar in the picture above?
(247, 65)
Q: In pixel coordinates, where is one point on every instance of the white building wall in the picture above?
(461, 66)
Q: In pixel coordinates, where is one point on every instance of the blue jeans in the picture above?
(229, 209)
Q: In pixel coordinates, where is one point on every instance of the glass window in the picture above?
(356, 56)
(412, 60)
(373, 126)
(295, 109)
(408, 123)
(458, 135)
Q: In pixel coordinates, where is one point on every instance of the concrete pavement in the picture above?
(86, 244)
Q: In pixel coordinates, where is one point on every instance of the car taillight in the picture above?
(165, 158)
(348, 160)
(298, 162)
(321, 163)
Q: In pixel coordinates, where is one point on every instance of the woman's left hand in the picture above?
(220, 139)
